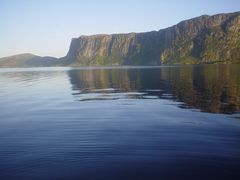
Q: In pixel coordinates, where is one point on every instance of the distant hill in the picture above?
(201, 40)
(27, 60)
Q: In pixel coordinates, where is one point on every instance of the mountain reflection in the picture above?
(210, 88)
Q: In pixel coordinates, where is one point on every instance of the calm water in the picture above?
(120, 123)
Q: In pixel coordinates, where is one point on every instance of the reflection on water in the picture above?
(120, 123)
(209, 88)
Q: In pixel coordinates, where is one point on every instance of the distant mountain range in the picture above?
(201, 40)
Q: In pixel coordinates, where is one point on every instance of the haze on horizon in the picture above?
(45, 27)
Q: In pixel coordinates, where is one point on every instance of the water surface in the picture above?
(176, 122)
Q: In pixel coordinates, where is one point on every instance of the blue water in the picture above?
(180, 122)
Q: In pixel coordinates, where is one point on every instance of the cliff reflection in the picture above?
(210, 88)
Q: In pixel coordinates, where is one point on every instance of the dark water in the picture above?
(120, 123)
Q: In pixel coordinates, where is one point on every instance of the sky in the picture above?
(46, 27)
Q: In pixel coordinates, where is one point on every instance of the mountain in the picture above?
(201, 40)
(27, 60)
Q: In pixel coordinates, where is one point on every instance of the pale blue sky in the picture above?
(45, 27)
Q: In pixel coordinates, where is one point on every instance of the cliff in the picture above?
(201, 40)
(205, 39)
(117, 49)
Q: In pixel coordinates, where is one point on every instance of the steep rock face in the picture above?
(205, 39)
(114, 49)
(100, 49)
